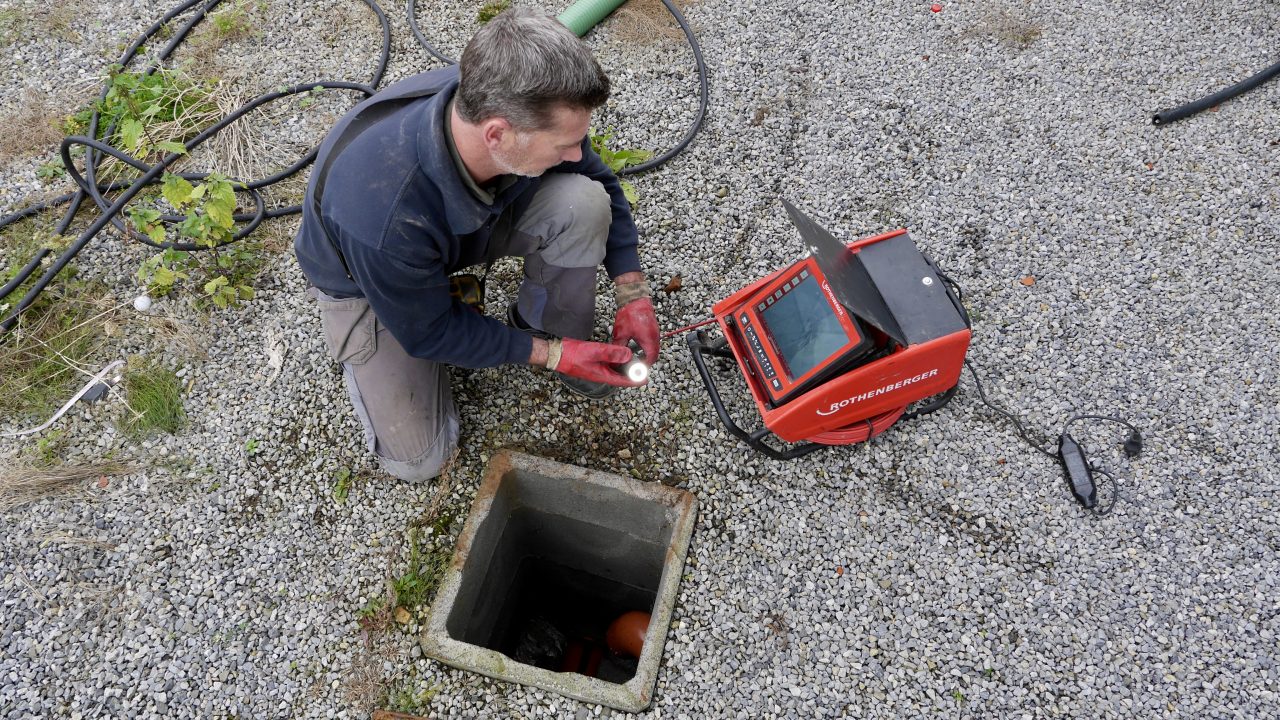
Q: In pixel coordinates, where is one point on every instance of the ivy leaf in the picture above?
(177, 190)
(163, 276)
(221, 203)
(143, 216)
(194, 227)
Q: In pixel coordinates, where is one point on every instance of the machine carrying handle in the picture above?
(698, 346)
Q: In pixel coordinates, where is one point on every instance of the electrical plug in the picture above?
(1079, 474)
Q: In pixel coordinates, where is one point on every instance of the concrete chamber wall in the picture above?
(549, 555)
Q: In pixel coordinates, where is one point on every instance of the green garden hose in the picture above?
(583, 15)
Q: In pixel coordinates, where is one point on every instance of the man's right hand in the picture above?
(597, 362)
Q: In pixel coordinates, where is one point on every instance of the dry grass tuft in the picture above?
(27, 484)
(645, 21)
(57, 344)
(178, 335)
(32, 128)
(236, 148)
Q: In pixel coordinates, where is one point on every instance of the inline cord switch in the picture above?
(1079, 473)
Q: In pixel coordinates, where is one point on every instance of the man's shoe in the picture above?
(585, 388)
(516, 321)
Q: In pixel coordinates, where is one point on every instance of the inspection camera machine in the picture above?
(838, 346)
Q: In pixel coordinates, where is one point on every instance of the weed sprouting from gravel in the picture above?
(154, 396)
(1011, 30)
(491, 9)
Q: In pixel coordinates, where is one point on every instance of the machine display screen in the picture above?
(802, 325)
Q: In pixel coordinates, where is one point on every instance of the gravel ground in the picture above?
(941, 570)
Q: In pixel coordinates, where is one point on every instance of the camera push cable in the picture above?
(583, 12)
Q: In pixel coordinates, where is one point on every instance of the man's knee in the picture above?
(429, 464)
(571, 214)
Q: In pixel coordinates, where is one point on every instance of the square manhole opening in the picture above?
(564, 579)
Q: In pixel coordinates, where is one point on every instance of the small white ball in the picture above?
(142, 303)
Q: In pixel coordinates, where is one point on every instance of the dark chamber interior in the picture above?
(554, 585)
(559, 617)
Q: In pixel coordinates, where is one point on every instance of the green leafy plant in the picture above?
(51, 171)
(618, 159)
(371, 609)
(408, 697)
(310, 97)
(146, 114)
(251, 446)
(342, 487)
(423, 573)
(492, 9)
(49, 447)
(235, 22)
(153, 393)
(220, 270)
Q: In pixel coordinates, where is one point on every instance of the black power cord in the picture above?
(703, 92)
(1070, 453)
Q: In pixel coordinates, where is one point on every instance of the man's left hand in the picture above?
(636, 320)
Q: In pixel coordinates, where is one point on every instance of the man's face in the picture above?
(532, 153)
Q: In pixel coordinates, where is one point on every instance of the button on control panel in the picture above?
(757, 349)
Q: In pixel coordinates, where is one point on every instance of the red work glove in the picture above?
(597, 362)
(637, 321)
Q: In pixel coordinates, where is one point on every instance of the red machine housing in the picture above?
(913, 331)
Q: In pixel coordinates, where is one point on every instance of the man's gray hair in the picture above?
(522, 65)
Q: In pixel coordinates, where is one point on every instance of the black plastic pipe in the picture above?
(1165, 117)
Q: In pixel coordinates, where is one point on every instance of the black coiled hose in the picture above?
(96, 150)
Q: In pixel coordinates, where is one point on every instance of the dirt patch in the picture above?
(1006, 27)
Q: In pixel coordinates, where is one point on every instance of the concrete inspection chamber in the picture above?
(555, 566)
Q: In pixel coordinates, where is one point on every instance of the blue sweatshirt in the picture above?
(396, 205)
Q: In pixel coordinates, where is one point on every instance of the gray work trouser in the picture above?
(404, 402)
